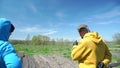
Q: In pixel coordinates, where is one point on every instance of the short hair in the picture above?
(83, 29)
(12, 28)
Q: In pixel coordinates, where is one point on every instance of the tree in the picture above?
(15, 42)
(27, 40)
(116, 38)
(36, 40)
(40, 40)
(28, 37)
(45, 40)
(53, 42)
(60, 41)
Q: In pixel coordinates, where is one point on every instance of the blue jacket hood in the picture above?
(5, 26)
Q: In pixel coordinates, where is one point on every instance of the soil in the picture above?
(54, 61)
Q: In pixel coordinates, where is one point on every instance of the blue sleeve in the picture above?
(10, 57)
(12, 61)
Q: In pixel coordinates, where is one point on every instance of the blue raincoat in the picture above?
(8, 56)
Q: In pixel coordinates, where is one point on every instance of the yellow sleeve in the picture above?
(80, 51)
(108, 56)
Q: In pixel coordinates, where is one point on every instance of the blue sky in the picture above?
(60, 18)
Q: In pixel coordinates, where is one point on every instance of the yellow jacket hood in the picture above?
(94, 36)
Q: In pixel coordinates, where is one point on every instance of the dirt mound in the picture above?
(54, 61)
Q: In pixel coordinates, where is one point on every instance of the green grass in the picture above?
(112, 47)
(48, 49)
(114, 58)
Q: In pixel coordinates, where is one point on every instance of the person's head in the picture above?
(83, 29)
(6, 28)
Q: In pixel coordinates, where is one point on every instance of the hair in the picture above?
(12, 28)
(83, 29)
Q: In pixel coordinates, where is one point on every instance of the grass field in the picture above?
(59, 50)
(31, 50)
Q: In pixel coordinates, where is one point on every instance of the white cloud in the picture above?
(105, 23)
(36, 29)
(109, 17)
(50, 32)
(113, 13)
(73, 24)
(30, 29)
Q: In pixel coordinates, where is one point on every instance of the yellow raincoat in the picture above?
(90, 51)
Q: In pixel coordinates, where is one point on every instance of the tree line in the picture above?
(45, 40)
(41, 40)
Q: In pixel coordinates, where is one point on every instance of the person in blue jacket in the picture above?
(8, 55)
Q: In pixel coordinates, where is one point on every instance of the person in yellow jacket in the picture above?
(91, 51)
